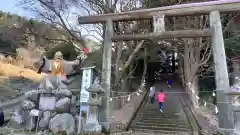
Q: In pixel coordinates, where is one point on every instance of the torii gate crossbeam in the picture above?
(175, 10)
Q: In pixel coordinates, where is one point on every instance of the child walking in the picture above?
(161, 97)
(169, 82)
(152, 94)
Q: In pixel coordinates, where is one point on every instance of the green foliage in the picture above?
(61, 133)
(68, 50)
(84, 114)
(1, 13)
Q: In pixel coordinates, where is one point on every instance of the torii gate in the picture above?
(212, 8)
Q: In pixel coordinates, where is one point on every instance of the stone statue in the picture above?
(57, 65)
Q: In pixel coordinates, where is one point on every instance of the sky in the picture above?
(12, 6)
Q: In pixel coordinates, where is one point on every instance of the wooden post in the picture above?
(106, 75)
(225, 114)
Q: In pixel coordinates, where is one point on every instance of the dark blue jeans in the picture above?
(161, 105)
(152, 99)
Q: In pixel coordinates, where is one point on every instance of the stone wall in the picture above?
(51, 107)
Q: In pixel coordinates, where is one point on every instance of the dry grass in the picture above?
(9, 70)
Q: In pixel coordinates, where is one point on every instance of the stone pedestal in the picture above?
(237, 121)
(235, 96)
(92, 124)
(87, 77)
(94, 102)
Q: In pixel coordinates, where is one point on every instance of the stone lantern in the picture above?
(235, 96)
(94, 102)
(95, 91)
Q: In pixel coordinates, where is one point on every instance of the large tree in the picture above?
(62, 14)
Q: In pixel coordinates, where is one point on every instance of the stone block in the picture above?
(62, 122)
(28, 105)
(47, 103)
(43, 123)
(63, 103)
(92, 128)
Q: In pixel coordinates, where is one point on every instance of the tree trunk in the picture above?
(181, 67)
(117, 80)
(173, 62)
(144, 70)
(131, 69)
(190, 66)
(195, 87)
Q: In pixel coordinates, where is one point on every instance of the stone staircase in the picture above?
(172, 122)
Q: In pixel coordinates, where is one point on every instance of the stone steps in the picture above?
(161, 132)
(160, 115)
(171, 122)
(158, 127)
(157, 122)
(163, 124)
(153, 111)
(159, 118)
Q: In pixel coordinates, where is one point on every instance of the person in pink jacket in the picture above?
(161, 97)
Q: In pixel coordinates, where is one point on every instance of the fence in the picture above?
(119, 99)
(123, 108)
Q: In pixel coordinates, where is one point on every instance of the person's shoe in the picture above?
(161, 110)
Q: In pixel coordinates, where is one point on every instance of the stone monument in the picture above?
(235, 96)
(94, 102)
(87, 77)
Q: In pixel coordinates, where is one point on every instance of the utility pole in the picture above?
(225, 114)
(106, 72)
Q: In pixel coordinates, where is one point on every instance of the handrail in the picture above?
(192, 119)
(138, 109)
(191, 109)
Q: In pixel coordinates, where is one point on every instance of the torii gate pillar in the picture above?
(225, 114)
(106, 76)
